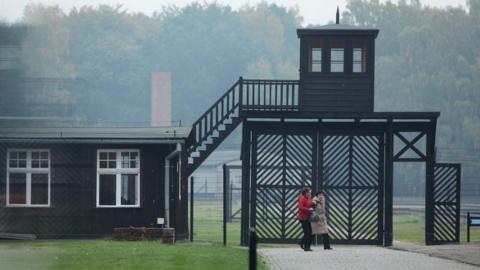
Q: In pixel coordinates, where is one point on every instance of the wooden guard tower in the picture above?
(322, 131)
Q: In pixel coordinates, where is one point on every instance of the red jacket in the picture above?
(304, 204)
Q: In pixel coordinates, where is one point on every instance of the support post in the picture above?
(429, 192)
(224, 204)
(388, 187)
(191, 209)
(457, 205)
(245, 204)
(350, 187)
(240, 95)
(181, 207)
(228, 190)
(252, 250)
(230, 201)
(381, 188)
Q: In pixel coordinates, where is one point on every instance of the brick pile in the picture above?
(166, 235)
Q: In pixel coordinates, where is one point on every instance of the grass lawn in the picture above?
(208, 223)
(105, 254)
(208, 226)
(411, 228)
(205, 253)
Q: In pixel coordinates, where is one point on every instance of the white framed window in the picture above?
(316, 63)
(359, 56)
(28, 177)
(337, 54)
(118, 178)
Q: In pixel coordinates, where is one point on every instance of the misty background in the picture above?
(91, 66)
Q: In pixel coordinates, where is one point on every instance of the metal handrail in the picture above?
(246, 95)
(270, 95)
(216, 114)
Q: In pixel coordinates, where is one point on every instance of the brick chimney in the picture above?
(161, 100)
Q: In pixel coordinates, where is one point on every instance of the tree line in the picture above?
(427, 59)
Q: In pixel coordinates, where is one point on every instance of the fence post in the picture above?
(252, 250)
(228, 191)
(230, 202)
(191, 209)
(468, 227)
(224, 204)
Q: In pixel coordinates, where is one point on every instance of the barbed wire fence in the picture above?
(208, 206)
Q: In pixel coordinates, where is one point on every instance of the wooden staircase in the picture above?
(245, 96)
(213, 127)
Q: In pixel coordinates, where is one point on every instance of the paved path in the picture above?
(468, 253)
(356, 257)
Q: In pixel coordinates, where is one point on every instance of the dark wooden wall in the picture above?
(337, 93)
(72, 211)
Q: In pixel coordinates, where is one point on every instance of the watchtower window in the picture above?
(316, 59)
(337, 52)
(359, 57)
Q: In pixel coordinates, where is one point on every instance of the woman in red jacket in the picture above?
(305, 206)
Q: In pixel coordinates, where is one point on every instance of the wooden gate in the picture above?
(446, 204)
(349, 167)
(282, 165)
(352, 177)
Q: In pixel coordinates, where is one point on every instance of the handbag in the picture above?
(314, 217)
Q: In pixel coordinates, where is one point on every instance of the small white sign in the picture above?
(160, 221)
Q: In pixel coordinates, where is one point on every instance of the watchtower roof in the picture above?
(337, 29)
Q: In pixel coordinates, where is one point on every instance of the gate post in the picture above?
(252, 250)
(245, 204)
(429, 185)
(388, 187)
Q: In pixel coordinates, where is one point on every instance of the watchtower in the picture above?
(322, 131)
(337, 68)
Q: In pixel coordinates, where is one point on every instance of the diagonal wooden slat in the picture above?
(335, 161)
(365, 214)
(337, 213)
(268, 215)
(410, 145)
(365, 161)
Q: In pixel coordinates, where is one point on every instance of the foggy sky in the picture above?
(313, 11)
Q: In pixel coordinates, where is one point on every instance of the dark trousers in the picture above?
(326, 241)
(307, 234)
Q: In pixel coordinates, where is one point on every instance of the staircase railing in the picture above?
(244, 96)
(270, 95)
(216, 114)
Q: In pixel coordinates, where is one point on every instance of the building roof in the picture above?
(338, 29)
(93, 134)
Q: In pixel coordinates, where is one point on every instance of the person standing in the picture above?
(320, 227)
(305, 207)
